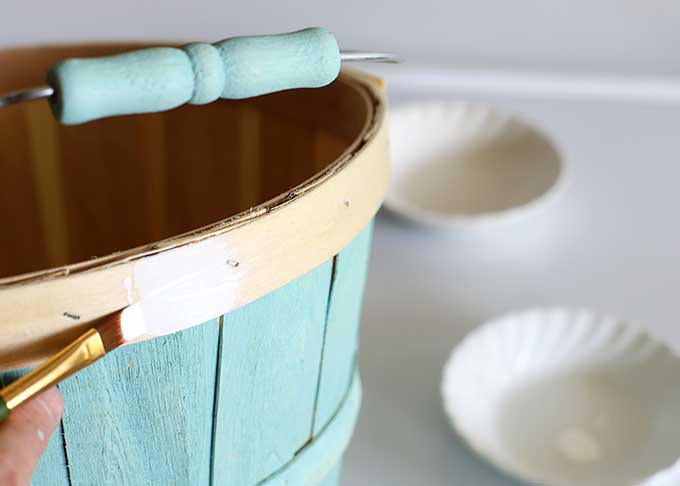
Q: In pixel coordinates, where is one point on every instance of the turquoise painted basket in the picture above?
(260, 207)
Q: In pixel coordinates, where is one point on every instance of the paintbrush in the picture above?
(115, 330)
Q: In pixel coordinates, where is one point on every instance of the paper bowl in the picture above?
(564, 397)
(457, 163)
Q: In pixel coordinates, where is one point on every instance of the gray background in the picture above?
(577, 35)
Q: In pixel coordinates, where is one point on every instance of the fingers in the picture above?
(25, 434)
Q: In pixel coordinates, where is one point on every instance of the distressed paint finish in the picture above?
(269, 362)
(318, 463)
(342, 324)
(141, 416)
(51, 469)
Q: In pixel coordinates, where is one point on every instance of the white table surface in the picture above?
(608, 240)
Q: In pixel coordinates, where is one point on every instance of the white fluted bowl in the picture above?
(457, 163)
(564, 397)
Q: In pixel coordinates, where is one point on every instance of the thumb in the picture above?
(25, 434)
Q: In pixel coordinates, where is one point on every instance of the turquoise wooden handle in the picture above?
(162, 78)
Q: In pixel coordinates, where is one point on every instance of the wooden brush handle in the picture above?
(162, 78)
(84, 351)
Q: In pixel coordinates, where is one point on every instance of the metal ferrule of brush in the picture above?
(85, 350)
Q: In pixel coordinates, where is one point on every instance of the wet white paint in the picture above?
(129, 286)
(181, 288)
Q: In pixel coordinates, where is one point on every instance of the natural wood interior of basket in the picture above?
(68, 194)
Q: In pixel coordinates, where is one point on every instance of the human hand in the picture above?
(25, 434)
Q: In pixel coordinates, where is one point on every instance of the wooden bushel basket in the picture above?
(273, 197)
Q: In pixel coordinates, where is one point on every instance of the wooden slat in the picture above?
(87, 205)
(319, 462)
(131, 154)
(51, 469)
(269, 361)
(325, 109)
(342, 326)
(327, 148)
(105, 171)
(284, 161)
(49, 192)
(153, 172)
(20, 230)
(202, 170)
(143, 414)
(249, 164)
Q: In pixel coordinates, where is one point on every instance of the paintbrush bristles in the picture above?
(111, 332)
(124, 326)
